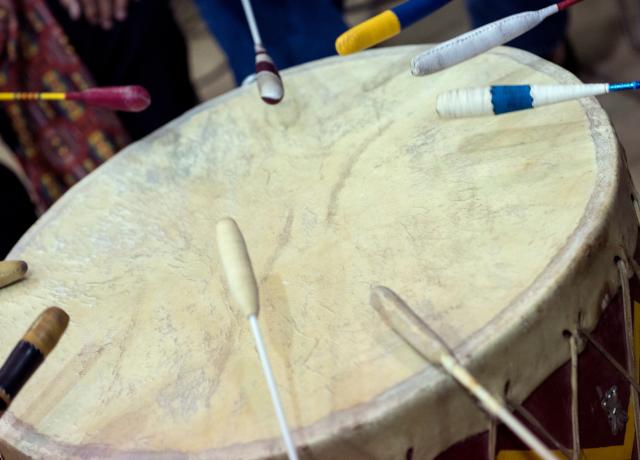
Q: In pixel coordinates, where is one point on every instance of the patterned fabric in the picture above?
(59, 142)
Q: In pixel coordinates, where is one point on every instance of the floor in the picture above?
(597, 32)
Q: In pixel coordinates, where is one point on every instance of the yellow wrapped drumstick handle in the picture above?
(368, 33)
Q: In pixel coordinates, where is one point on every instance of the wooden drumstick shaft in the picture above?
(30, 352)
(238, 270)
(412, 329)
(12, 271)
(494, 407)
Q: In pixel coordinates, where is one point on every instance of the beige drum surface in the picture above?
(350, 182)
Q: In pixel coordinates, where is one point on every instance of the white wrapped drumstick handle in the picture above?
(496, 100)
(411, 328)
(244, 290)
(482, 39)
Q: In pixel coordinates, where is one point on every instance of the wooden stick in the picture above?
(269, 82)
(122, 98)
(244, 290)
(30, 352)
(12, 271)
(385, 25)
(482, 39)
(410, 327)
(497, 100)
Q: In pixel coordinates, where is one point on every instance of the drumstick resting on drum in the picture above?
(496, 100)
(482, 39)
(12, 271)
(269, 81)
(410, 327)
(385, 25)
(122, 98)
(244, 290)
(30, 352)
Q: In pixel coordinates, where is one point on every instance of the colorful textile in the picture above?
(58, 142)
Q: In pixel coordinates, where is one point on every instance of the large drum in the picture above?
(506, 235)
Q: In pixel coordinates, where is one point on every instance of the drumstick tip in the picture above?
(401, 318)
(46, 330)
(12, 271)
(237, 267)
(268, 78)
(416, 71)
(133, 98)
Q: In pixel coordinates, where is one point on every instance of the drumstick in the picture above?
(410, 327)
(482, 39)
(496, 100)
(123, 98)
(12, 271)
(269, 81)
(244, 289)
(30, 352)
(385, 25)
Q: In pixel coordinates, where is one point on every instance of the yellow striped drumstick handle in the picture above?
(32, 96)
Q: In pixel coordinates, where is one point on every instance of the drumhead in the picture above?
(351, 181)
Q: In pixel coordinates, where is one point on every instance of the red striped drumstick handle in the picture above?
(564, 4)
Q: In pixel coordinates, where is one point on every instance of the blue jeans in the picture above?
(298, 31)
(542, 40)
(293, 31)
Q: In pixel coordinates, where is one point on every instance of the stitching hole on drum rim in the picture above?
(409, 454)
(566, 334)
(507, 384)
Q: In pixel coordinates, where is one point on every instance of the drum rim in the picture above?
(395, 398)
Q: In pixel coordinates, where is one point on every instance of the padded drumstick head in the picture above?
(269, 82)
(30, 352)
(123, 98)
(478, 41)
(46, 330)
(12, 271)
(409, 326)
(237, 266)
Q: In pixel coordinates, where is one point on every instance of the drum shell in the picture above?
(428, 413)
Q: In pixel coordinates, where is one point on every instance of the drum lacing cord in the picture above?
(614, 362)
(575, 423)
(493, 438)
(534, 422)
(628, 329)
(630, 373)
(636, 207)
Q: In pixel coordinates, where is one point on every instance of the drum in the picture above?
(507, 235)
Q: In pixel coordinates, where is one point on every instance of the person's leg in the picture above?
(293, 31)
(544, 40)
(147, 49)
